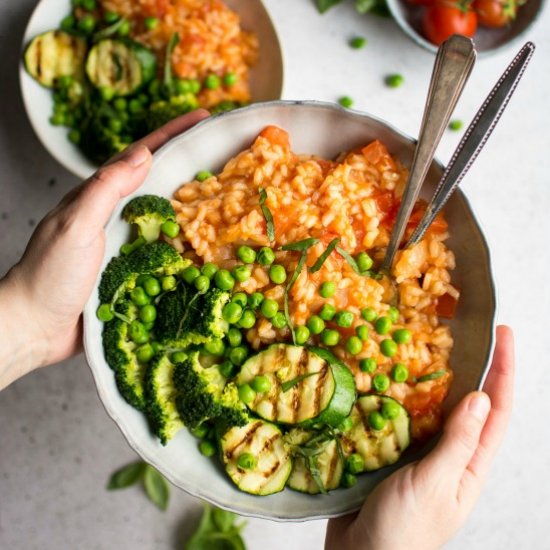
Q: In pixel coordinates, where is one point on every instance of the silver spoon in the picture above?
(453, 65)
(475, 138)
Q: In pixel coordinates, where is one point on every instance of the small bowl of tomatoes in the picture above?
(493, 24)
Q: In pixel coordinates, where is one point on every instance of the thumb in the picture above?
(460, 439)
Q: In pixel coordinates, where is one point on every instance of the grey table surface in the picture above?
(57, 444)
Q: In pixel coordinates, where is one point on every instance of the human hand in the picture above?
(42, 297)
(422, 505)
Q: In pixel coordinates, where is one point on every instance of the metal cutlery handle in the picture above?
(475, 138)
(453, 64)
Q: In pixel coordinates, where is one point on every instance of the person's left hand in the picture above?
(45, 292)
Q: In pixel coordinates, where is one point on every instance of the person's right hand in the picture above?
(421, 506)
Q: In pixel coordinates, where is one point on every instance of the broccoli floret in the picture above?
(149, 212)
(157, 258)
(186, 316)
(119, 353)
(161, 112)
(97, 141)
(160, 395)
(203, 394)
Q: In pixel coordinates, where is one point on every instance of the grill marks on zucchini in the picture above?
(265, 442)
(53, 54)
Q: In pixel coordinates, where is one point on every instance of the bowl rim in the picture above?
(77, 166)
(89, 311)
(419, 40)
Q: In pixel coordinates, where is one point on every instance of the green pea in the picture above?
(241, 273)
(149, 326)
(246, 254)
(346, 425)
(346, 101)
(138, 333)
(89, 5)
(232, 312)
(246, 461)
(248, 319)
(362, 332)
(255, 300)
(74, 136)
(124, 29)
(382, 325)
(355, 463)
(157, 347)
(402, 336)
(301, 333)
(203, 175)
(330, 337)
(104, 313)
(344, 319)
(178, 357)
(170, 229)
(150, 23)
(393, 314)
(148, 313)
(68, 23)
(390, 410)
(57, 119)
(354, 345)
(135, 106)
(315, 324)
(269, 308)
(87, 23)
(207, 448)
(145, 353)
(154, 88)
(327, 313)
(266, 256)
(235, 337)
(230, 79)
(277, 273)
(201, 431)
(141, 279)
(202, 283)
(240, 298)
(261, 384)
(399, 373)
(348, 480)
(376, 421)
(455, 125)
(394, 80)
(151, 286)
(238, 355)
(224, 280)
(120, 104)
(279, 320)
(327, 289)
(209, 270)
(139, 296)
(212, 82)
(388, 347)
(115, 125)
(367, 365)
(168, 283)
(357, 42)
(215, 347)
(190, 273)
(195, 86)
(227, 369)
(364, 262)
(380, 382)
(110, 17)
(368, 314)
(246, 393)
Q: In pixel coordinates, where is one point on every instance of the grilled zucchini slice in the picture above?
(53, 54)
(308, 385)
(328, 462)
(378, 448)
(264, 441)
(120, 65)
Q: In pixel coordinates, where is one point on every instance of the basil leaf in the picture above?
(223, 519)
(270, 228)
(168, 77)
(108, 31)
(324, 5)
(349, 258)
(316, 474)
(156, 487)
(300, 246)
(322, 258)
(295, 275)
(431, 376)
(285, 386)
(126, 476)
(216, 541)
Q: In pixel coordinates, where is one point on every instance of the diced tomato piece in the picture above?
(377, 154)
(276, 136)
(446, 306)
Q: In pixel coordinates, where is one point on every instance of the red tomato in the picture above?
(441, 20)
(495, 13)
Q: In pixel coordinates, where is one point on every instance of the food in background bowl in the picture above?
(263, 326)
(120, 69)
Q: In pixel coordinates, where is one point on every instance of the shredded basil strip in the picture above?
(300, 246)
(267, 215)
(315, 473)
(431, 376)
(349, 258)
(173, 42)
(322, 258)
(108, 31)
(289, 384)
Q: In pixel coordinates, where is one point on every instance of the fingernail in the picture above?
(479, 406)
(136, 156)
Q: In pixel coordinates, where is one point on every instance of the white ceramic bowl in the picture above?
(266, 76)
(323, 129)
